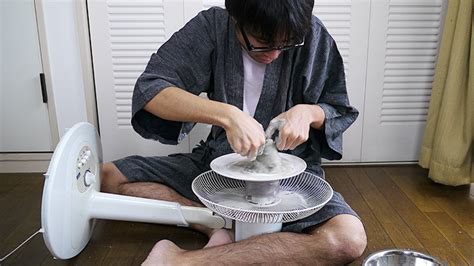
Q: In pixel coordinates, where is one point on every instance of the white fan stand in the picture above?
(262, 207)
(72, 201)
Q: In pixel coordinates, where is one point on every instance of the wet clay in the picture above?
(269, 162)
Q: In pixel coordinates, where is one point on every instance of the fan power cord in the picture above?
(41, 230)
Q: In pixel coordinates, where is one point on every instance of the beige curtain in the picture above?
(448, 148)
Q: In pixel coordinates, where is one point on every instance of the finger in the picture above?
(259, 138)
(270, 131)
(302, 138)
(281, 142)
(296, 140)
(252, 155)
(234, 148)
(286, 137)
(275, 123)
(295, 144)
(291, 144)
(244, 151)
(239, 148)
(260, 150)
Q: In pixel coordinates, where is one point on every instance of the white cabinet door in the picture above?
(403, 45)
(348, 23)
(191, 9)
(24, 117)
(124, 34)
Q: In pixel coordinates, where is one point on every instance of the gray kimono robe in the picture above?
(206, 56)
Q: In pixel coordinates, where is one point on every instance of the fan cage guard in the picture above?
(315, 190)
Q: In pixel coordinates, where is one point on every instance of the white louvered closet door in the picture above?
(124, 34)
(348, 23)
(403, 45)
(191, 9)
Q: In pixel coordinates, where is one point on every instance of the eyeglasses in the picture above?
(252, 48)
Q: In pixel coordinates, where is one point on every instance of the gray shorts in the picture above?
(179, 170)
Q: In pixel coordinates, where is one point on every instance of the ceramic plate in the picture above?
(229, 165)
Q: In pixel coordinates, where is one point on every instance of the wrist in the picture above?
(225, 114)
(317, 116)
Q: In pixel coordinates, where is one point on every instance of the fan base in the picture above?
(245, 230)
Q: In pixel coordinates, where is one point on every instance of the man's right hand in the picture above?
(244, 133)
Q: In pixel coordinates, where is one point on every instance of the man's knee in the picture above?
(346, 237)
(111, 178)
(351, 238)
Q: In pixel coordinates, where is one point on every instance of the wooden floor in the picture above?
(399, 206)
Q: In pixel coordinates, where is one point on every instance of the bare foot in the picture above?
(220, 237)
(164, 252)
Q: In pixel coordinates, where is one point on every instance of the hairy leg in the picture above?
(113, 181)
(338, 241)
(220, 237)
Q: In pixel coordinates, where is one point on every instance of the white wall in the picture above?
(1, 70)
(63, 39)
(63, 52)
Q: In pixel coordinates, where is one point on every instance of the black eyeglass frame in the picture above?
(252, 48)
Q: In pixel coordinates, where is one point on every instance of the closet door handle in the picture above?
(44, 93)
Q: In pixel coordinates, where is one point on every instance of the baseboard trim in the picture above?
(38, 162)
(24, 162)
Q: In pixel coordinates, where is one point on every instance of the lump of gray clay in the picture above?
(268, 162)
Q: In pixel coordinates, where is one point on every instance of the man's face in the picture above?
(261, 57)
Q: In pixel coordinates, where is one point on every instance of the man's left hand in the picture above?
(297, 122)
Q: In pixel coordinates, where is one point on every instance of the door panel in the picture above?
(347, 21)
(124, 34)
(404, 40)
(24, 118)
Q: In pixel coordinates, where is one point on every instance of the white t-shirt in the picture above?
(254, 72)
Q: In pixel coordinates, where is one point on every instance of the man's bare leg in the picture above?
(113, 181)
(220, 237)
(338, 241)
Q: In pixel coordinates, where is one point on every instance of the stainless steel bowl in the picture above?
(404, 257)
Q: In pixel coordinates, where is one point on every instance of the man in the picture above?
(257, 60)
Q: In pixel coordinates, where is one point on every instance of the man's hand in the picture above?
(244, 133)
(294, 125)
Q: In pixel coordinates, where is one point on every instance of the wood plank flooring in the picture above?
(399, 205)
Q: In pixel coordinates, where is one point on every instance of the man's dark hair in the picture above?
(270, 19)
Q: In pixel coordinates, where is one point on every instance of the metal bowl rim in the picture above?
(406, 252)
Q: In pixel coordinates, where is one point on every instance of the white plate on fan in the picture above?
(229, 165)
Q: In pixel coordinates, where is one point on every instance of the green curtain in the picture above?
(448, 149)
